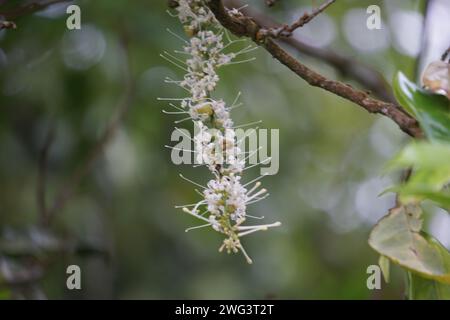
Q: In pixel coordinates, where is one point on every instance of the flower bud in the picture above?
(436, 78)
(205, 109)
(189, 30)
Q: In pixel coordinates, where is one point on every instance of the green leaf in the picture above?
(424, 289)
(431, 172)
(431, 110)
(424, 155)
(398, 236)
(441, 198)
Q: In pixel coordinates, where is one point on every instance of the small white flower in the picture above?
(214, 223)
(235, 13)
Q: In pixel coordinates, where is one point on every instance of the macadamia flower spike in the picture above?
(224, 198)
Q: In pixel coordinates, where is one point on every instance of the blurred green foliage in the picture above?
(326, 192)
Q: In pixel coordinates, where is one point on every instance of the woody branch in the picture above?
(247, 27)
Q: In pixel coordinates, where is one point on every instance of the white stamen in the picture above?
(260, 177)
(262, 191)
(242, 61)
(249, 261)
(264, 226)
(194, 183)
(184, 134)
(180, 149)
(182, 120)
(257, 199)
(188, 205)
(197, 227)
(172, 62)
(236, 99)
(195, 215)
(254, 217)
(256, 186)
(247, 124)
(175, 58)
(259, 163)
(173, 99)
(174, 112)
(177, 36)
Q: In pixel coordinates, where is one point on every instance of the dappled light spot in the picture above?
(407, 28)
(440, 226)
(82, 49)
(360, 37)
(368, 202)
(319, 33)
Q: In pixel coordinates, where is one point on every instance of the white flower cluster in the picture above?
(225, 198)
(226, 195)
(218, 150)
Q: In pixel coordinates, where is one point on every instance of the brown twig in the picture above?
(81, 171)
(245, 26)
(305, 18)
(28, 8)
(366, 76)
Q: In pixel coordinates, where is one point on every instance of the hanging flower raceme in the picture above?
(225, 199)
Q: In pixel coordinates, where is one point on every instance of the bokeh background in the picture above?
(120, 225)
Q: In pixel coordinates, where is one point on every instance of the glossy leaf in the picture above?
(431, 110)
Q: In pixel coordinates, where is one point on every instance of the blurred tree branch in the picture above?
(42, 177)
(28, 8)
(68, 188)
(40, 245)
(248, 27)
